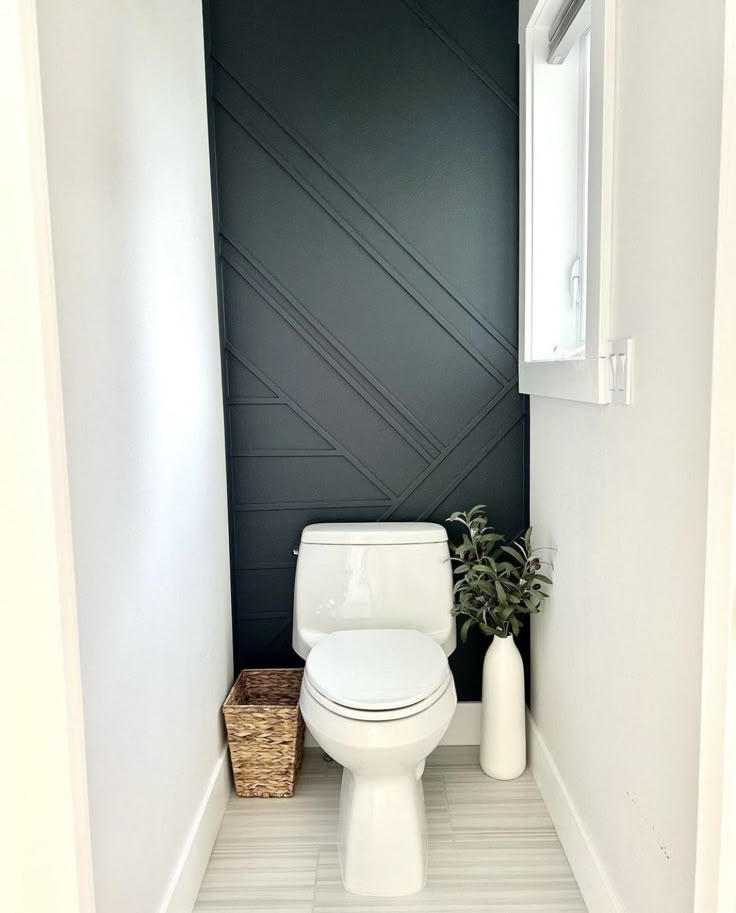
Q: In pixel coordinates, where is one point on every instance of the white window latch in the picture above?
(575, 284)
(620, 366)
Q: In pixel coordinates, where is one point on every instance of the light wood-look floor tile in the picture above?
(277, 879)
(309, 817)
(492, 848)
(479, 805)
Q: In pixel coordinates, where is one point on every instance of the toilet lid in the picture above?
(377, 669)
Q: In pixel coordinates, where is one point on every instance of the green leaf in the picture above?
(497, 583)
(514, 552)
(486, 629)
(466, 626)
(490, 537)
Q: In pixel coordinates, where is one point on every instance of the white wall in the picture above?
(127, 150)
(622, 492)
(45, 859)
(715, 871)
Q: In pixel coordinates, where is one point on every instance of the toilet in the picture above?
(373, 620)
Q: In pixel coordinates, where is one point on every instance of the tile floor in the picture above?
(492, 848)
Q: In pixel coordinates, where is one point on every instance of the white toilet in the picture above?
(372, 618)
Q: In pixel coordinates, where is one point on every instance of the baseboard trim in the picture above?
(464, 728)
(586, 865)
(181, 894)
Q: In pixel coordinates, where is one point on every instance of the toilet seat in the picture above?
(377, 674)
(375, 716)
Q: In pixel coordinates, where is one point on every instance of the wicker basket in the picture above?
(265, 731)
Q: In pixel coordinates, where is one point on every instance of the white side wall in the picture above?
(621, 492)
(715, 871)
(127, 149)
(45, 858)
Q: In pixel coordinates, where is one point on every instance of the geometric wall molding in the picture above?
(365, 174)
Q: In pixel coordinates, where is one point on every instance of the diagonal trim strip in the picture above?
(271, 280)
(354, 194)
(462, 55)
(460, 436)
(366, 246)
(469, 467)
(253, 401)
(363, 470)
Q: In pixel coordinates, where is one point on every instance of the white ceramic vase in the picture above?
(503, 723)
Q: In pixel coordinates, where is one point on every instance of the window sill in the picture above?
(579, 379)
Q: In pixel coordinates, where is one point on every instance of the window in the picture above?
(560, 175)
(566, 139)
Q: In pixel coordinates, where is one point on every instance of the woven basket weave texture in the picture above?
(265, 731)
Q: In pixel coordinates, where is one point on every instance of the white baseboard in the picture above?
(184, 885)
(595, 886)
(586, 865)
(463, 730)
(465, 726)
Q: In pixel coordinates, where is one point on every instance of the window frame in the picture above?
(577, 378)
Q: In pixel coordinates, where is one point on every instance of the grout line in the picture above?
(447, 806)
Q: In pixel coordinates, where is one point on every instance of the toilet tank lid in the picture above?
(373, 533)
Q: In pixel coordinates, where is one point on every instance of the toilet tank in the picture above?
(352, 576)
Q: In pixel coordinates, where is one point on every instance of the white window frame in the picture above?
(583, 378)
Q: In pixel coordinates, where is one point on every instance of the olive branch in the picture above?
(499, 582)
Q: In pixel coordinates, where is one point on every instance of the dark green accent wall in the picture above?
(366, 190)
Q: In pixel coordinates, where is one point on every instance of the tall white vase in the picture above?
(503, 723)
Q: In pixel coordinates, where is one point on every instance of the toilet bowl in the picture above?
(378, 702)
(373, 620)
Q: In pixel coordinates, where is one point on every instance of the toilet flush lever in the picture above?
(295, 551)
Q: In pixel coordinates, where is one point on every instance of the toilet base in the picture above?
(382, 836)
(383, 833)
